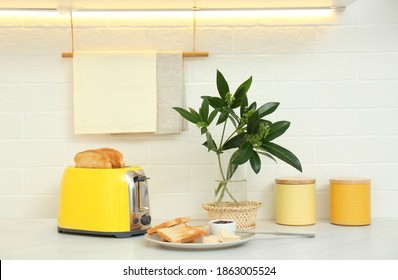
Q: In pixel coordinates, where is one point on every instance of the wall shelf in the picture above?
(172, 4)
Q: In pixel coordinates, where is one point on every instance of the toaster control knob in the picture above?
(145, 220)
(136, 221)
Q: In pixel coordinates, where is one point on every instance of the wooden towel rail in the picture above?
(184, 54)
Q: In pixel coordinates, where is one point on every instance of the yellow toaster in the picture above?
(111, 202)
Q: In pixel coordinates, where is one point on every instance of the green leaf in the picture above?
(244, 153)
(267, 108)
(243, 105)
(223, 117)
(268, 155)
(212, 116)
(212, 146)
(241, 92)
(187, 115)
(232, 115)
(215, 102)
(204, 110)
(252, 106)
(233, 121)
(276, 130)
(255, 162)
(222, 85)
(232, 167)
(253, 124)
(196, 114)
(210, 142)
(234, 142)
(283, 154)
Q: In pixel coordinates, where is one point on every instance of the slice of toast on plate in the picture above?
(204, 230)
(168, 224)
(180, 233)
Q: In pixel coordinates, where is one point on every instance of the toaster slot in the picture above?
(142, 193)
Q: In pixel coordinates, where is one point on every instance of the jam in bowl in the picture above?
(222, 224)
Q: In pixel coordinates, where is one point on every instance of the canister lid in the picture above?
(349, 181)
(295, 181)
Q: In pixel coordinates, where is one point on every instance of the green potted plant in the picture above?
(249, 138)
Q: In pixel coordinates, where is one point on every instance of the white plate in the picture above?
(155, 238)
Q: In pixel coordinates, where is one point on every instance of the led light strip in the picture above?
(203, 13)
(66, 10)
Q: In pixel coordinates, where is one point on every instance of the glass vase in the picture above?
(233, 188)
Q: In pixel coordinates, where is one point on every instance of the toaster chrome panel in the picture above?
(140, 218)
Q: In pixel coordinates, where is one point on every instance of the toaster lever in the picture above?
(142, 178)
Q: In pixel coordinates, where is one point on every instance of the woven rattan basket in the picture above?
(243, 213)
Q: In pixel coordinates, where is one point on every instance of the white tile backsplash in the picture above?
(32, 153)
(315, 67)
(258, 66)
(378, 66)
(260, 40)
(29, 206)
(335, 77)
(179, 151)
(357, 39)
(48, 125)
(46, 69)
(383, 204)
(358, 94)
(12, 73)
(169, 178)
(370, 149)
(320, 122)
(11, 125)
(383, 13)
(378, 121)
(47, 40)
(43, 180)
(12, 181)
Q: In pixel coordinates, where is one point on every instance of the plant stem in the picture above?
(224, 189)
(224, 182)
(232, 134)
(220, 167)
(230, 194)
(222, 137)
(219, 152)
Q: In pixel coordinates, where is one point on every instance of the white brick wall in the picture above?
(336, 78)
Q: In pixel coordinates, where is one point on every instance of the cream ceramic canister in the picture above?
(295, 201)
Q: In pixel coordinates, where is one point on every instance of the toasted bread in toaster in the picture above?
(169, 223)
(180, 233)
(92, 159)
(100, 158)
(115, 157)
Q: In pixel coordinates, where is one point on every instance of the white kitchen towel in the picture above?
(114, 92)
(170, 92)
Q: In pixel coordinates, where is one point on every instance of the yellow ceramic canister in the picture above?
(295, 201)
(350, 201)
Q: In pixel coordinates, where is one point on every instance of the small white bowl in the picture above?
(222, 224)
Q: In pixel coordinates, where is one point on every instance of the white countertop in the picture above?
(39, 239)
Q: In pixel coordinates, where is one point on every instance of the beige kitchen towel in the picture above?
(170, 92)
(114, 92)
